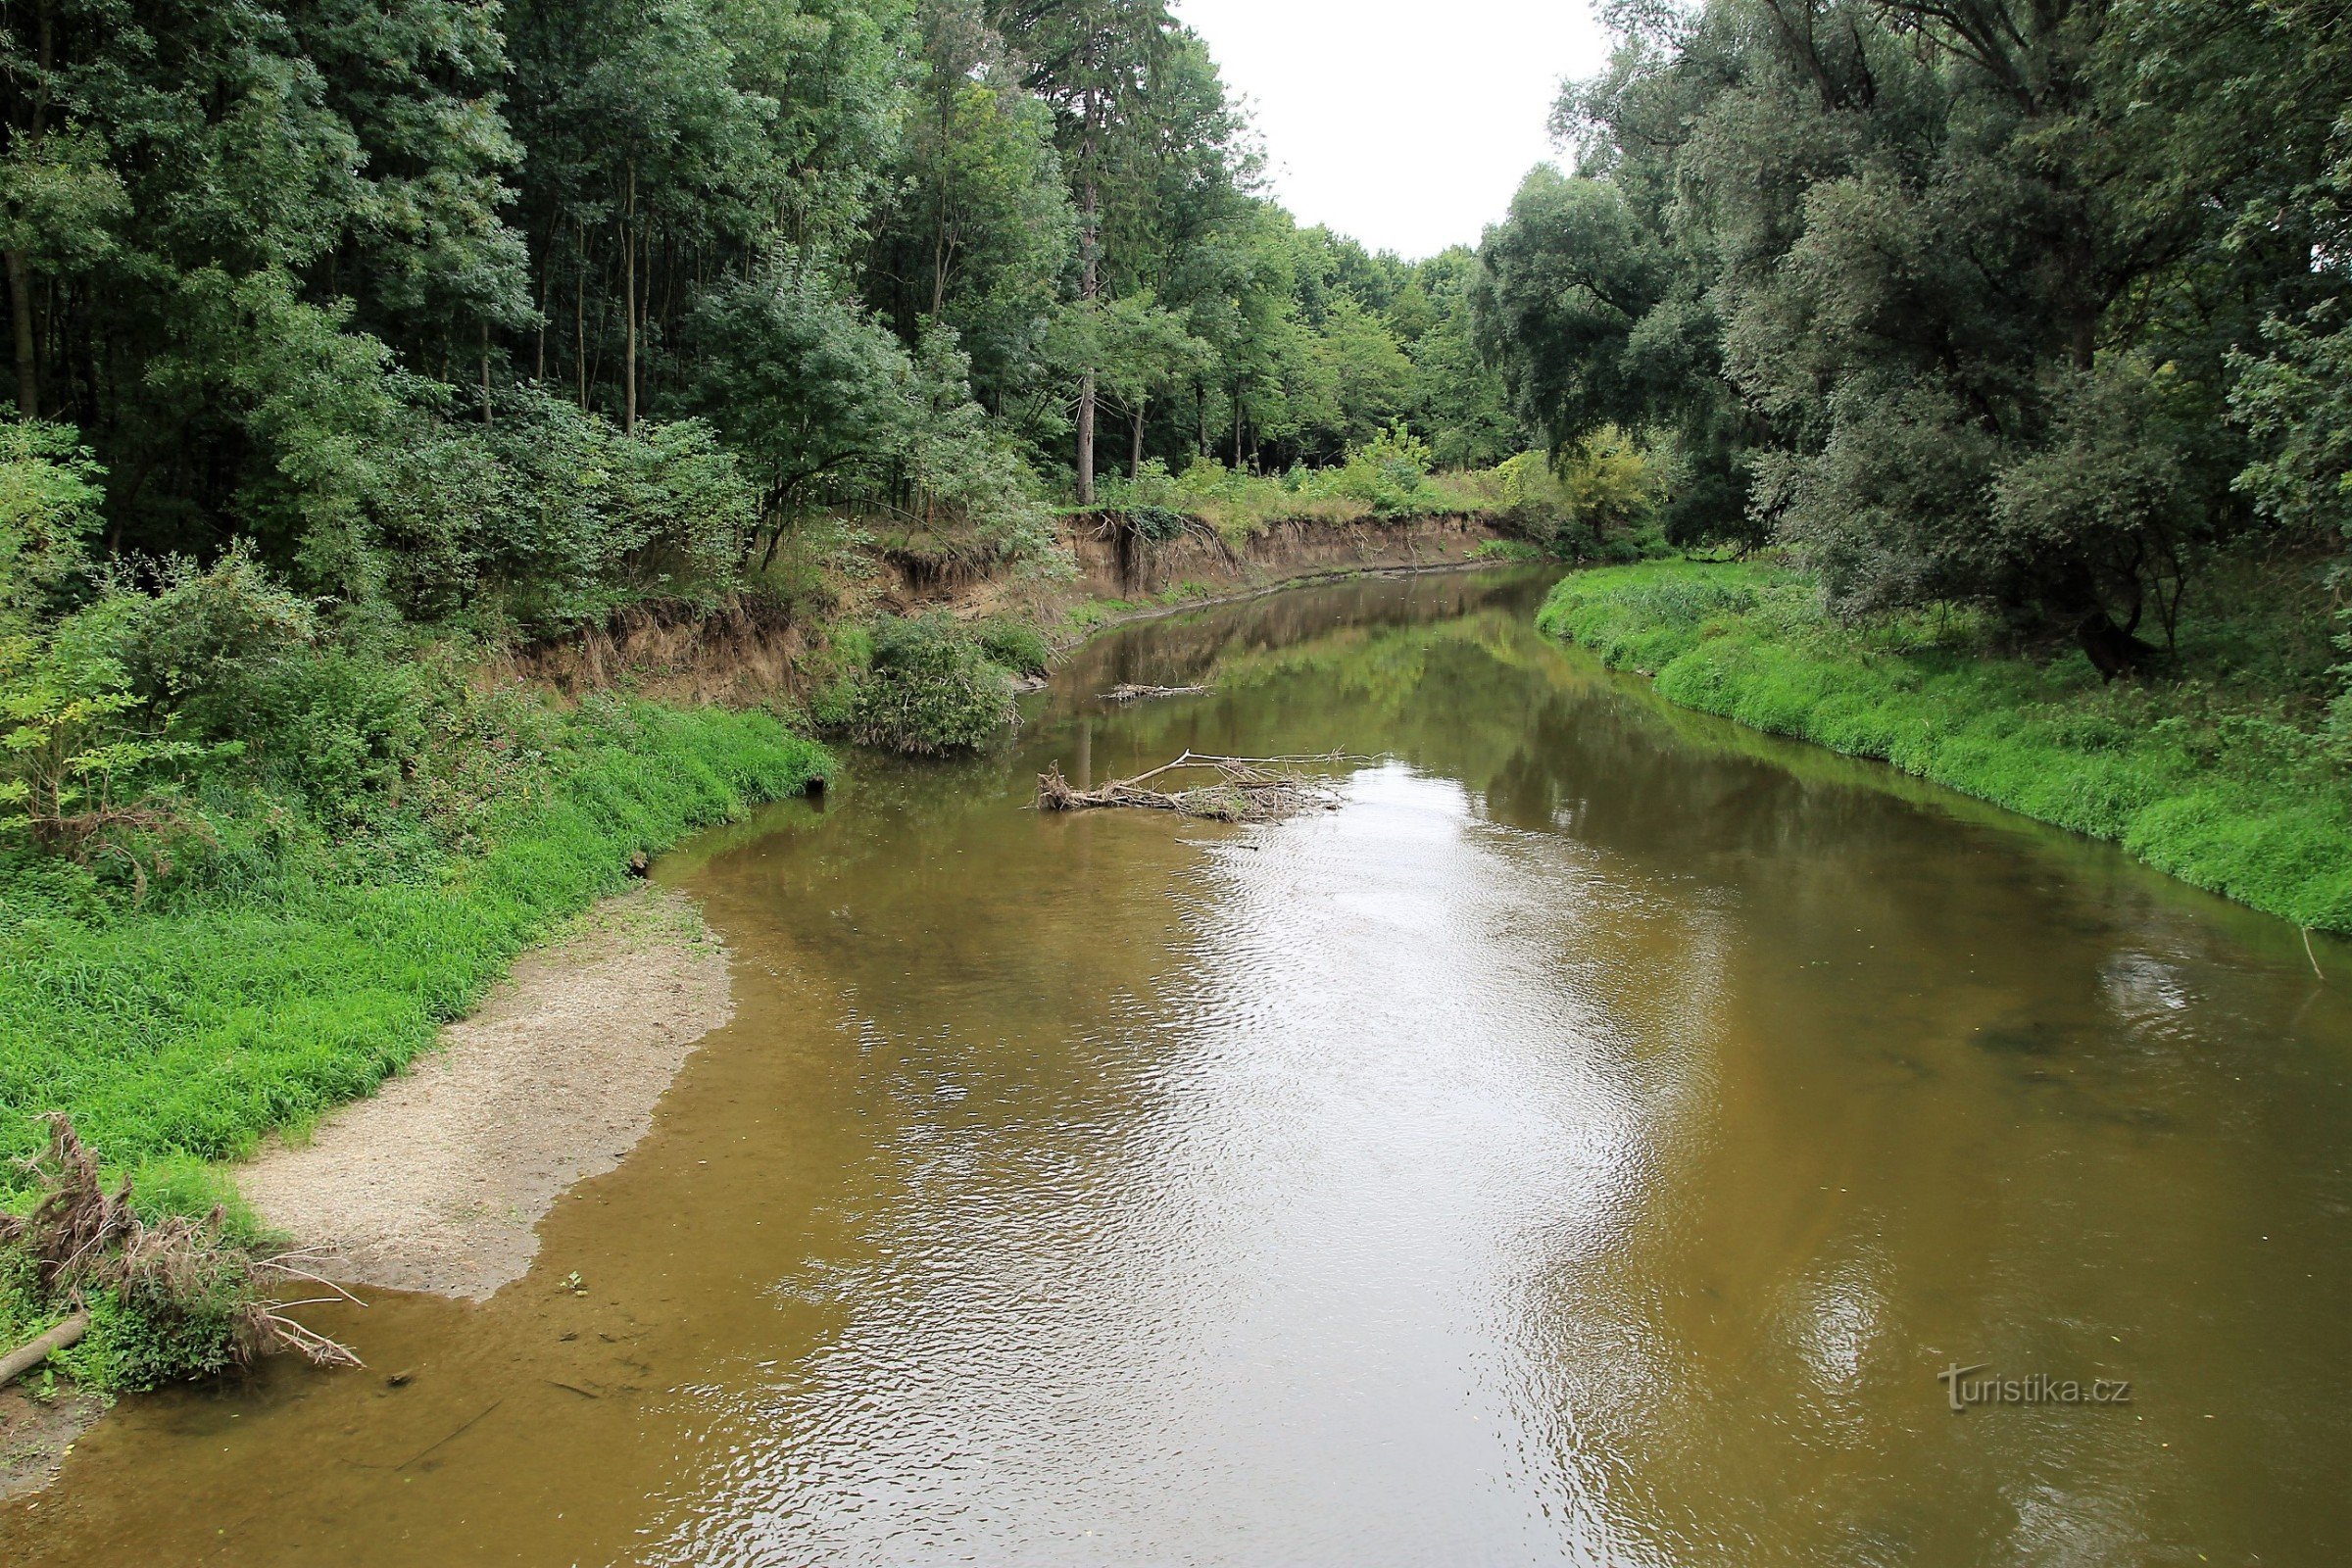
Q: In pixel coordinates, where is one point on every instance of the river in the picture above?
(1588, 1144)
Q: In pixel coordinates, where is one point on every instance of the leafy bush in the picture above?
(549, 515)
(1016, 645)
(49, 499)
(931, 689)
(1596, 503)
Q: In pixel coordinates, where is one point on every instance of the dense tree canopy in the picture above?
(2035, 304)
(397, 292)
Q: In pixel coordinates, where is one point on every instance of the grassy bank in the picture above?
(2220, 772)
(182, 1029)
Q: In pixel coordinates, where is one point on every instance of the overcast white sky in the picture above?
(1402, 123)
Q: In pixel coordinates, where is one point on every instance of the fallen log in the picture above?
(24, 1357)
(1129, 692)
(1244, 789)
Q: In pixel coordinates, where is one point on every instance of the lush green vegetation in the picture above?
(2037, 308)
(293, 969)
(2218, 777)
(926, 685)
(355, 348)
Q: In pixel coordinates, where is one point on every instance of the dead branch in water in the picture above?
(1246, 788)
(80, 1237)
(1129, 692)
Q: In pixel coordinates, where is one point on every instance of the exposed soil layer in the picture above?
(439, 1181)
(751, 651)
(1114, 561)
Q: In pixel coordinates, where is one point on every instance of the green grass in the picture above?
(184, 1033)
(2218, 774)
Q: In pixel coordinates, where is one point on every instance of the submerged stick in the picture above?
(1129, 692)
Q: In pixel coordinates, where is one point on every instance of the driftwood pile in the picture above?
(78, 1236)
(1129, 692)
(1228, 789)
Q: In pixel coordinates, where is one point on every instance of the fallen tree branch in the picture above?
(1246, 788)
(24, 1357)
(80, 1237)
(1129, 692)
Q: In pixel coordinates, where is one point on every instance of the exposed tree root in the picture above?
(1128, 692)
(81, 1238)
(1246, 788)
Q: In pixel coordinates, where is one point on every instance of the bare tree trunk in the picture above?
(20, 267)
(20, 310)
(939, 261)
(1090, 286)
(485, 373)
(628, 289)
(1135, 451)
(579, 317)
(1085, 438)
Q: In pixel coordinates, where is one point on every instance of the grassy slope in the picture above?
(2212, 783)
(192, 1032)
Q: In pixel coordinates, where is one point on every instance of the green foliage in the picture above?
(75, 764)
(2217, 779)
(49, 500)
(1014, 645)
(549, 516)
(296, 969)
(931, 689)
(133, 1346)
(1955, 299)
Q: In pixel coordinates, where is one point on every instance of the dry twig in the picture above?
(1129, 692)
(80, 1237)
(1245, 789)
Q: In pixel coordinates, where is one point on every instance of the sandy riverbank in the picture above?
(439, 1181)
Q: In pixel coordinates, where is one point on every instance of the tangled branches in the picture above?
(1129, 692)
(184, 1275)
(1246, 788)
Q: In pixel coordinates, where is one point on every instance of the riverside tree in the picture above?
(1955, 297)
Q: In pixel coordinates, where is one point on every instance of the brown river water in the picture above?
(1586, 1144)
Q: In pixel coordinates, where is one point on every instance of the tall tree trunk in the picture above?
(580, 314)
(628, 289)
(485, 373)
(19, 264)
(939, 261)
(1085, 438)
(1135, 450)
(20, 311)
(1090, 284)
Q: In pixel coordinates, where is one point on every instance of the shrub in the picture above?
(932, 689)
(1016, 645)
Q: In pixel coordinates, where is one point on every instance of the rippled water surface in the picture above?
(1586, 1144)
